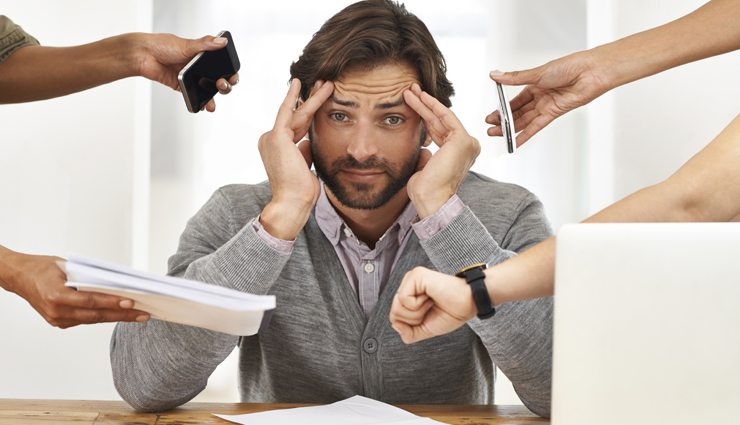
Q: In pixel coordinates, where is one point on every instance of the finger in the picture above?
(448, 118)
(494, 117)
(516, 78)
(305, 112)
(434, 125)
(424, 156)
(223, 86)
(208, 42)
(285, 113)
(413, 302)
(533, 128)
(495, 131)
(68, 297)
(90, 316)
(234, 79)
(410, 334)
(210, 106)
(523, 98)
(526, 118)
(304, 147)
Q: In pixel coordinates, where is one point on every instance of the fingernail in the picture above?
(496, 73)
(142, 318)
(220, 40)
(126, 304)
(237, 80)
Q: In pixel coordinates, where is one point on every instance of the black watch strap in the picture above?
(476, 278)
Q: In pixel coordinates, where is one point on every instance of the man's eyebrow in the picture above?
(353, 104)
(391, 104)
(348, 103)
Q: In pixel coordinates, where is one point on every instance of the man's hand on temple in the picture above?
(441, 174)
(287, 162)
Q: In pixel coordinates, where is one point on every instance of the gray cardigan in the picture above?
(317, 346)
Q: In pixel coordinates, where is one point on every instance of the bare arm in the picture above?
(39, 72)
(706, 188)
(566, 83)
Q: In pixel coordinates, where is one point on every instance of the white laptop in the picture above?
(647, 324)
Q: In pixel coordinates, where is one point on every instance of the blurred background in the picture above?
(116, 172)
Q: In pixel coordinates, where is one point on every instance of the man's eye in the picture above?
(338, 116)
(393, 120)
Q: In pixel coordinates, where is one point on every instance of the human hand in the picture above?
(552, 90)
(439, 175)
(430, 304)
(39, 280)
(295, 189)
(162, 56)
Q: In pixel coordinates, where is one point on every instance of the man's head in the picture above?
(365, 139)
(371, 33)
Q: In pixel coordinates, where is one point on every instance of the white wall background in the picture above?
(115, 172)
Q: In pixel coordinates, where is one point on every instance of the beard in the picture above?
(363, 195)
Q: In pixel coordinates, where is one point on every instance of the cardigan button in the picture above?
(370, 345)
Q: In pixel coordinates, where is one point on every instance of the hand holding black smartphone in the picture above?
(198, 78)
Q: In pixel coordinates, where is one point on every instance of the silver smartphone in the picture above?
(507, 124)
(198, 78)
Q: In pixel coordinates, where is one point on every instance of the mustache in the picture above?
(373, 163)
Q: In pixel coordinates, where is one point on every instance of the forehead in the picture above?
(382, 83)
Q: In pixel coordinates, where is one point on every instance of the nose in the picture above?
(363, 142)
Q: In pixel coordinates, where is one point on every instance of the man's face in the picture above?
(365, 139)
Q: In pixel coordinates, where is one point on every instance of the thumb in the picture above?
(207, 42)
(424, 156)
(305, 147)
(516, 78)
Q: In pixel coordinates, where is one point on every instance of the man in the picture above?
(333, 246)
(25, 77)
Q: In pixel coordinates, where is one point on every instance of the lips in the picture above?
(364, 176)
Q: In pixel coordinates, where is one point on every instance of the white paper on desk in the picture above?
(355, 410)
(172, 299)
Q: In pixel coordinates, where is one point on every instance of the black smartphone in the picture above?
(198, 78)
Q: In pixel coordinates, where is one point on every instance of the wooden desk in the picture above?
(67, 412)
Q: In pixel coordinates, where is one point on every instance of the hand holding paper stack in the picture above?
(172, 299)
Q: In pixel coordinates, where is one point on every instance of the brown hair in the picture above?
(371, 33)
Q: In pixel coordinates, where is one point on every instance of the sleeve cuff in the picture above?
(279, 245)
(433, 224)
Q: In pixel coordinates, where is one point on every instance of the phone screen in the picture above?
(198, 78)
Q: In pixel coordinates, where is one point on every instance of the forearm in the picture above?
(39, 72)
(708, 31)
(706, 188)
(6, 269)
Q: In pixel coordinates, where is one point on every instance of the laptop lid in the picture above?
(647, 324)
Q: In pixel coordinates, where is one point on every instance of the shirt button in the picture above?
(369, 268)
(370, 345)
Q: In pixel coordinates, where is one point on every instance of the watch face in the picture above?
(462, 271)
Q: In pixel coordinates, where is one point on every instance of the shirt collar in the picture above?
(332, 225)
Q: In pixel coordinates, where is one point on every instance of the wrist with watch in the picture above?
(475, 276)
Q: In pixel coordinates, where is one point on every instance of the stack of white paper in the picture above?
(355, 410)
(172, 299)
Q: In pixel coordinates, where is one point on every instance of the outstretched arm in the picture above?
(564, 84)
(40, 72)
(706, 188)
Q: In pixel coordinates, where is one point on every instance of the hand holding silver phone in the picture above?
(507, 123)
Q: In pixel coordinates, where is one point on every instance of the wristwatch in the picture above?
(476, 278)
